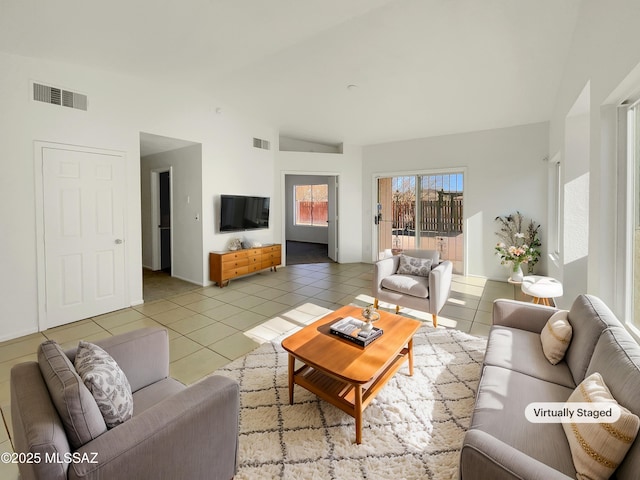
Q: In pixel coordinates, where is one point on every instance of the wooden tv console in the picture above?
(223, 266)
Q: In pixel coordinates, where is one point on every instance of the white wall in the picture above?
(244, 171)
(505, 172)
(348, 167)
(119, 108)
(604, 52)
(186, 226)
(288, 144)
(575, 212)
(302, 233)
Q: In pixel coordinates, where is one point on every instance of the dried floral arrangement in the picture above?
(519, 241)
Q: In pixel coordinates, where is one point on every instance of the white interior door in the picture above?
(83, 220)
(332, 222)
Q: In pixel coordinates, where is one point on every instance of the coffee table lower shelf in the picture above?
(351, 398)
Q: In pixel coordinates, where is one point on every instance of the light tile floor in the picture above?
(210, 326)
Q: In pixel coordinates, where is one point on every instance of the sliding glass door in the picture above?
(422, 212)
(396, 214)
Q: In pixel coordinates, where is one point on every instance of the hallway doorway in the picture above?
(164, 227)
(171, 207)
(161, 201)
(311, 219)
(159, 285)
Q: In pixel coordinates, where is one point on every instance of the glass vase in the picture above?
(516, 273)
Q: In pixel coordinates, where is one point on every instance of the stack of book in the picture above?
(355, 331)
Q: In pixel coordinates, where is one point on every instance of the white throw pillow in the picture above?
(414, 266)
(556, 336)
(598, 448)
(107, 383)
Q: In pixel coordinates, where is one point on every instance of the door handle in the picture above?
(118, 241)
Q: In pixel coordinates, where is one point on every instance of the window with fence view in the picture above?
(439, 210)
(424, 212)
(311, 205)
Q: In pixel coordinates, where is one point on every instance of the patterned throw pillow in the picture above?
(414, 266)
(556, 336)
(107, 383)
(598, 448)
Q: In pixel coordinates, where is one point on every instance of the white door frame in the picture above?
(41, 277)
(283, 206)
(628, 163)
(333, 220)
(155, 216)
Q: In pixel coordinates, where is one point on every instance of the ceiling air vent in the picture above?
(58, 96)
(263, 144)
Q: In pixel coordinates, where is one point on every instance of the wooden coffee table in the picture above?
(344, 374)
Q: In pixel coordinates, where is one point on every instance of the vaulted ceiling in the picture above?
(353, 71)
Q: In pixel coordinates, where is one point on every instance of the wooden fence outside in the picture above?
(312, 213)
(436, 216)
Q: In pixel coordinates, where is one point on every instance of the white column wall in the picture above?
(603, 55)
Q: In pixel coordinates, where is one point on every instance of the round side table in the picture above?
(541, 288)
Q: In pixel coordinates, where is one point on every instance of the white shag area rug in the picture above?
(413, 429)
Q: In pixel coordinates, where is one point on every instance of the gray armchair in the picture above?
(427, 292)
(175, 432)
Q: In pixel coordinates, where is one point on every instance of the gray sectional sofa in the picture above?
(501, 443)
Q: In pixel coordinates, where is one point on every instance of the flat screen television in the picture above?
(240, 212)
